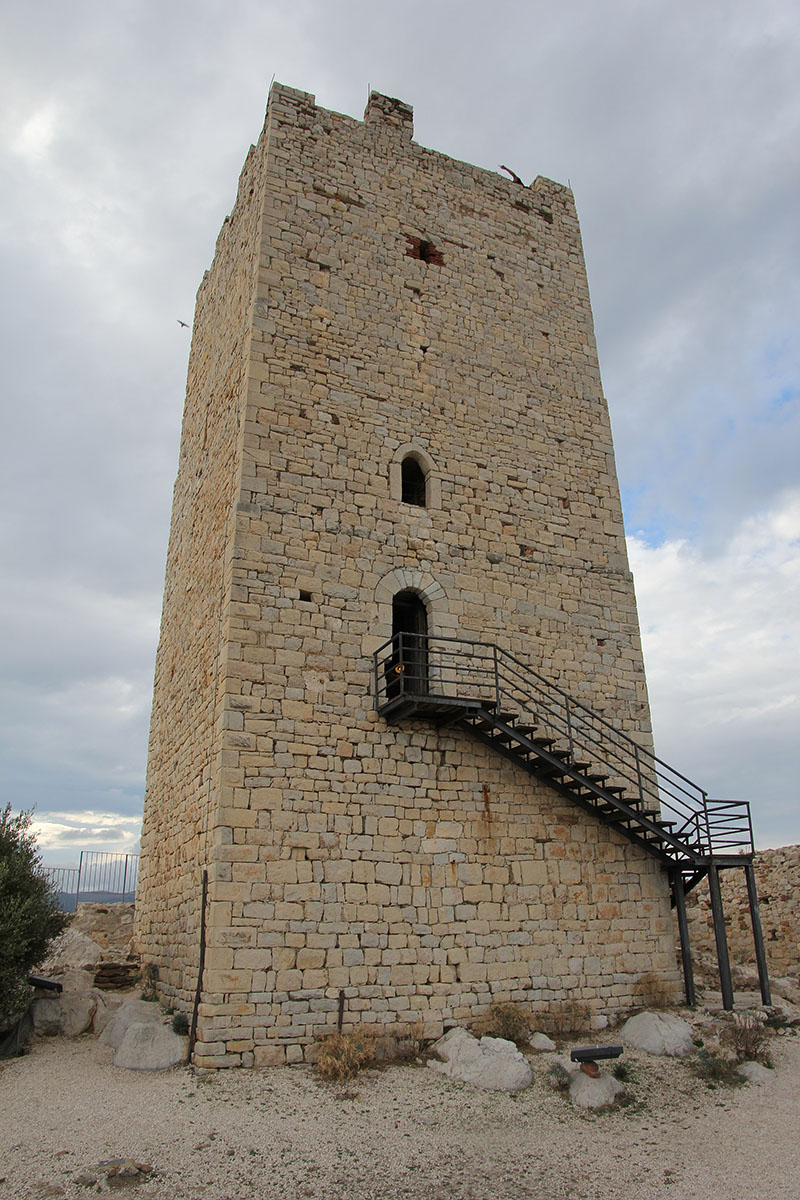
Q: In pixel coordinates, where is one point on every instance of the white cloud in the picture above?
(61, 836)
(32, 139)
(721, 637)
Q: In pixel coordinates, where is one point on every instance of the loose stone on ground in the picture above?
(490, 1063)
(658, 1033)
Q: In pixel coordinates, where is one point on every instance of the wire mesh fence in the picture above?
(100, 878)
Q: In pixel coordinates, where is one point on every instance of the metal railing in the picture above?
(100, 877)
(410, 665)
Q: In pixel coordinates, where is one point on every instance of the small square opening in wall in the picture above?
(305, 596)
(424, 250)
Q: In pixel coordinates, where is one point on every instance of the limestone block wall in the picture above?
(184, 752)
(778, 882)
(401, 300)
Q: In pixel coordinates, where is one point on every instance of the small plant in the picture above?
(622, 1072)
(411, 1043)
(565, 1017)
(559, 1077)
(748, 1037)
(716, 1069)
(343, 1055)
(180, 1024)
(510, 1021)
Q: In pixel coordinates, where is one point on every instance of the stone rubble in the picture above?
(494, 1064)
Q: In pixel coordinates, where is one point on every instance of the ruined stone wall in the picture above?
(411, 867)
(109, 925)
(778, 882)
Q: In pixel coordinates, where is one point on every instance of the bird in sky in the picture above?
(182, 324)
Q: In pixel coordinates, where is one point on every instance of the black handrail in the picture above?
(410, 665)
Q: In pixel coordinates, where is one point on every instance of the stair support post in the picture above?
(726, 987)
(758, 937)
(679, 896)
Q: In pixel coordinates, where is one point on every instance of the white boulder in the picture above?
(71, 949)
(68, 1014)
(107, 1005)
(490, 1063)
(658, 1033)
(132, 1012)
(755, 1072)
(150, 1047)
(586, 1091)
(540, 1041)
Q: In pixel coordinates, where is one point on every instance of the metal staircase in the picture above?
(555, 737)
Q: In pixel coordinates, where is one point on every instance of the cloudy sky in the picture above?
(123, 127)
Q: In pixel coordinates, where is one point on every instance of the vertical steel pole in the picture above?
(124, 878)
(709, 847)
(496, 681)
(679, 897)
(200, 968)
(78, 884)
(638, 773)
(720, 936)
(758, 937)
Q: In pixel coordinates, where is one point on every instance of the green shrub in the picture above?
(559, 1077)
(180, 1024)
(716, 1069)
(343, 1055)
(29, 913)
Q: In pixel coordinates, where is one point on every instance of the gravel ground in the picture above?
(401, 1131)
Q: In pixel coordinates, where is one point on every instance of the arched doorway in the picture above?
(409, 661)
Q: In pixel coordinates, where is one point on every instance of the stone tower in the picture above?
(394, 421)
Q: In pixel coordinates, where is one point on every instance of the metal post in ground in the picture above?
(78, 884)
(720, 937)
(758, 937)
(683, 929)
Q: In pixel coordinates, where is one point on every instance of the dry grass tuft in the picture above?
(565, 1017)
(510, 1021)
(343, 1055)
(748, 1037)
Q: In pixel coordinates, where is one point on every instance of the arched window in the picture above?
(407, 670)
(413, 480)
